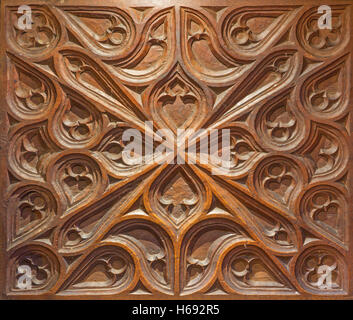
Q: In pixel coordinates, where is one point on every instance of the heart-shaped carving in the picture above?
(324, 207)
(279, 182)
(78, 178)
(180, 110)
(278, 178)
(178, 103)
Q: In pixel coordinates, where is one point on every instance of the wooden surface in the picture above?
(89, 225)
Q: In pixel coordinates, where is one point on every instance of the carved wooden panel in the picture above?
(86, 223)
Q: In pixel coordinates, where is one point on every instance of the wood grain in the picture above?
(90, 225)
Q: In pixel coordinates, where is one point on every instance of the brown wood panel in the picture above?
(78, 220)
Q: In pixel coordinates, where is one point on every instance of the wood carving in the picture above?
(84, 221)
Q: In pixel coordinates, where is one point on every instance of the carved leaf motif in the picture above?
(279, 182)
(41, 37)
(155, 53)
(321, 269)
(107, 33)
(83, 227)
(178, 196)
(325, 93)
(324, 207)
(243, 151)
(280, 128)
(77, 179)
(31, 99)
(106, 268)
(325, 155)
(153, 247)
(32, 95)
(110, 151)
(276, 231)
(273, 73)
(250, 270)
(279, 179)
(77, 124)
(327, 152)
(201, 248)
(91, 80)
(323, 41)
(31, 208)
(252, 30)
(42, 265)
(30, 148)
(179, 103)
(27, 153)
(201, 51)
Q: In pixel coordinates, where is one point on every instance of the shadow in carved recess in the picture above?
(85, 221)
